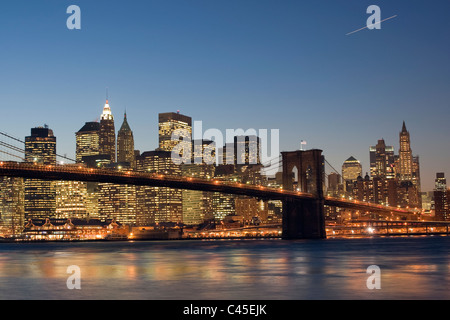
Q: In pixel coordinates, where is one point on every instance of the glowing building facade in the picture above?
(40, 148)
(107, 134)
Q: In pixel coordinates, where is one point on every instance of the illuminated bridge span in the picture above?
(302, 211)
(302, 196)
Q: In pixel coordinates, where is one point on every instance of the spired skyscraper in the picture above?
(408, 172)
(125, 144)
(107, 133)
(405, 169)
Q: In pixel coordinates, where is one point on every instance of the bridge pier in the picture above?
(304, 218)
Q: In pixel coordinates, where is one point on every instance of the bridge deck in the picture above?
(80, 173)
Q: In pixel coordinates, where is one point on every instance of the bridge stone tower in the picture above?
(304, 219)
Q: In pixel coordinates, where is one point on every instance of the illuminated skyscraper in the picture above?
(125, 144)
(197, 205)
(107, 134)
(40, 148)
(117, 201)
(441, 198)
(351, 170)
(405, 169)
(440, 182)
(87, 140)
(170, 123)
(382, 161)
(158, 204)
(71, 198)
(408, 172)
(12, 197)
(243, 150)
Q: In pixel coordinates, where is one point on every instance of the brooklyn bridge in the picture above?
(303, 203)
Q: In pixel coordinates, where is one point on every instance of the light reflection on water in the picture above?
(411, 268)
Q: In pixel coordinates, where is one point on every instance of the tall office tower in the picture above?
(408, 172)
(197, 205)
(416, 172)
(40, 148)
(107, 134)
(405, 159)
(228, 155)
(125, 144)
(335, 186)
(224, 204)
(87, 140)
(158, 204)
(441, 198)
(12, 198)
(382, 160)
(244, 150)
(363, 189)
(440, 182)
(170, 123)
(71, 198)
(117, 201)
(351, 170)
(247, 150)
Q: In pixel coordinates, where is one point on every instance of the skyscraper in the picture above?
(125, 144)
(405, 156)
(441, 198)
(107, 134)
(197, 205)
(12, 205)
(351, 170)
(71, 198)
(40, 147)
(169, 123)
(382, 160)
(158, 204)
(408, 172)
(440, 182)
(87, 140)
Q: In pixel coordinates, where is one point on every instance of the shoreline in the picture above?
(404, 235)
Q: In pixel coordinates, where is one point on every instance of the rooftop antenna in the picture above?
(107, 94)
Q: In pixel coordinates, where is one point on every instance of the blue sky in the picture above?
(263, 64)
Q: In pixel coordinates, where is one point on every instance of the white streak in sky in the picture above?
(373, 24)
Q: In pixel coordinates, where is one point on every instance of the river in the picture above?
(270, 269)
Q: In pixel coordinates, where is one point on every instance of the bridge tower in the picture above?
(304, 171)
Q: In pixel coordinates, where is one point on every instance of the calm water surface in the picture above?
(411, 268)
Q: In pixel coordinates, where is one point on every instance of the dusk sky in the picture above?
(263, 64)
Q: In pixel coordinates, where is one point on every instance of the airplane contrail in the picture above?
(373, 24)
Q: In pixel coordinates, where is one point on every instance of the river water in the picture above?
(410, 268)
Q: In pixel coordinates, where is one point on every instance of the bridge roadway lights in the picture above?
(303, 219)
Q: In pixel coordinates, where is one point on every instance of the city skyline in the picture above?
(232, 151)
(243, 61)
(364, 168)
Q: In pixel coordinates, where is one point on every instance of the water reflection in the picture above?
(411, 268)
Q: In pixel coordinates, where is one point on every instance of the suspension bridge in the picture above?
(303, 199)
